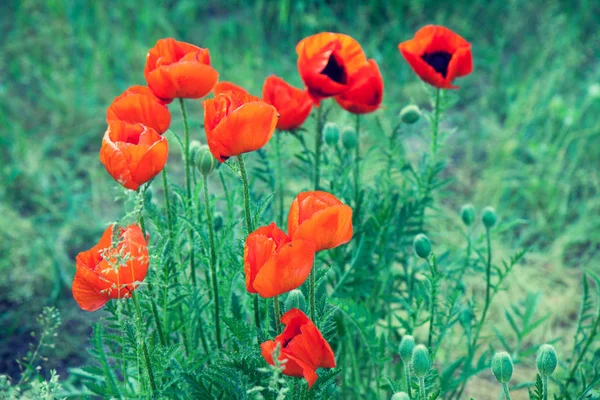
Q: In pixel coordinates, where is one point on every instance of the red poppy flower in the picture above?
(273, 263)
(320, 217)
(294, 105)
(326, 61)
(139, 105)
(110, 270)
(133, 154)
(365, 90)
(302, 345)
(225, 86)
(178, 69)
(236, 122)
(438, 55)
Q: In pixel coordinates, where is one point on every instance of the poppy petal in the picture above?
(257, 251)
(86, 296)
(152, 161)
(183, 79)
(115, 163)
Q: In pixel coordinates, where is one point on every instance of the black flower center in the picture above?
(438, 60)
(335, 71)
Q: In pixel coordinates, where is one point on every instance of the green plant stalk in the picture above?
(506, 391)
(144, 346)
(357, 166)
(433, 152)
(545, 387)
(167, 205)
(279, 176)
(318, 143)
(213, 262)
(584, 350)
(277, 310)
(249, 226)
(311, 293)
(432, 268)
(407, 378)
(422, 394)
(188, 185)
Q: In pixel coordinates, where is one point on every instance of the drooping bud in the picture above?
(406, 348)
(295, 299)
(349, 138)
(420, 361)
(400, 396)
(194, 147)
(488, 216)
(467, 213)
(410, 114)
(422, 246)
(546, 360)
(502, 367)
(204, 161)
(331, 131)
(218, 221)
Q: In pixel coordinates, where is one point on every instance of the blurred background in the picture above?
(527, 143)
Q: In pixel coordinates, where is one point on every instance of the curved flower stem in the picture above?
(213, 262)
(188, 185)
(147, 362)
(279, 176)
(277, 310)
(249, 226)
(357, 166)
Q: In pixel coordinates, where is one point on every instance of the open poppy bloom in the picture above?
(133, 154)
(320, 217)
(110, 270)
(139, 105)
(236, 123)
(302, 345)
(294, 105)
(179, 70)
(438, 55)
(273, 263)
(365, 90)
(225, 86)
(326, 61)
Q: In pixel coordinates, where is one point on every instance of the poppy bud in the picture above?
(349, 138)
(204, 161)
(400, 396)
(295, 299)
(410, 114)
(546, 360)
(406, 348)
(467, 213)
(502, 367)
(194, 147)
(218, 221)
(420, 361)
(422, 246)
(465, 317)
(488, 216)
(331, 133)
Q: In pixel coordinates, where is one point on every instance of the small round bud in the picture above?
(467, 213)
(422, 246)
(420, 361)
(194, 147)
(410, 114)
(204, 160)
(349, 138)
(488, 216)
(331, 131)
(400, 396)
(546, 360)
(295, 299)
(502, 367)
(406, 348)
(218, 221)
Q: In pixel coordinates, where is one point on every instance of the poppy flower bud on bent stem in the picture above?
(467, 214)
(488, 217)
(204, 160)
(349, 138)
(410, 114)
(422, 246)
(502, 368)
(331, 133)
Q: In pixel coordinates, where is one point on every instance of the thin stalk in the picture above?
(147, 362)
(433, 269)
(249, 227)
(167, 205)
(506, 391)
(422, 394)
(545, 387)
(213, 262)
(433, 152)
(407, 377)
(318, 142)
(357, 165)
(277, 310)
(188, 185)
(311, 293)
(279, 176)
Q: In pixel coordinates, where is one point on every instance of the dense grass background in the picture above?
(528, 143)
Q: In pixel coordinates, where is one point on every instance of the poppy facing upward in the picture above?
(326, 61)
(294, 105)
(139, 105)
(438, 56)
(365, 92)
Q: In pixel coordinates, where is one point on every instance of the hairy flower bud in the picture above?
(410, 114)
(400, 396)
(331, 131)
(349, 138)
(204, 160)
(295, 299)
(218, 221)
(422, 246)
(488, 216)
(502, 367)
(420, 361)
(467, 213)
(406, 348)
(546, 360)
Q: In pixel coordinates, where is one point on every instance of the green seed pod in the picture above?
(406, 348)
(204, 160)
(331, 131)
(349, 138)
(488, 216)
(410, 114)
(295, 299)
(400, 396)
(502, 367)
(420, 361)
(422, 246)
(218, 221)
(467, 213)
(546, 360)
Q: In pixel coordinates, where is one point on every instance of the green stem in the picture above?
(147, 362)
(488, 287)
(506, 391)
(422, 394)
(311, 293)
(279, 176)
(277, 310)
(318, 142)
(357, 165)
(213, 262)
(407, 377)
(168, 205)
(432, 268)
(188, 185)
(433, 154)
(545, 387)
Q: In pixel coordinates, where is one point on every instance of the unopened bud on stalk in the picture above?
(295, 299)
(349, 138)
(488, 216)
(331, 131)
(546, 360)
(194, 147)
(218, 221)
(410, 114)
(420, 361)
(204, 161)
(400, 396)
(422, 246)
(406, 348)
(502, 367)
(467, 213)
